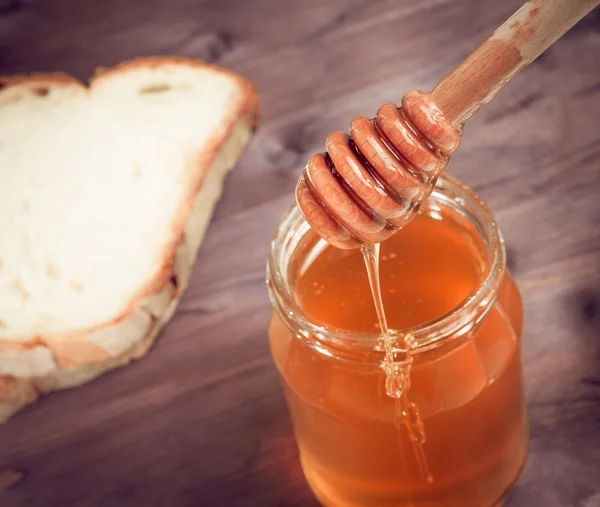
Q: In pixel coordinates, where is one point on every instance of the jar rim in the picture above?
(460, 320)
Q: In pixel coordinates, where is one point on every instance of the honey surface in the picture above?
(425, 271)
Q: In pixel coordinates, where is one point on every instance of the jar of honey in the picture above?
(448, 293)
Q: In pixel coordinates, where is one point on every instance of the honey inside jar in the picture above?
(467, 383)
(426, 270)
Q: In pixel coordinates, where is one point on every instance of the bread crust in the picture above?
(77, 357)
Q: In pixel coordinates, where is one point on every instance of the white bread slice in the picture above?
(105, 195)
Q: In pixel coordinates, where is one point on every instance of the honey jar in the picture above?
(446, 291)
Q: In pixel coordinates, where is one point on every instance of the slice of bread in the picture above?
(106, 192)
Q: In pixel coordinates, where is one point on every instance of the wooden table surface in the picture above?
(202, 421)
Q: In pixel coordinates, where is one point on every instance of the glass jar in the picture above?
(466, 380)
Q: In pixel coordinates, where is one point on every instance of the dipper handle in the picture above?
(519, 41)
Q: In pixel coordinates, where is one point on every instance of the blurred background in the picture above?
(202, 421)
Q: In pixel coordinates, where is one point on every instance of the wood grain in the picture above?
(202, 421)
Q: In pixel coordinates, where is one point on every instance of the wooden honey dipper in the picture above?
(369, 184)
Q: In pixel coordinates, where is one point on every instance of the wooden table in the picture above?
(202, 420)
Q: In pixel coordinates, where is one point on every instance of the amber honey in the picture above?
(466, 377)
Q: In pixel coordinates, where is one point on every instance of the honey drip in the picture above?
(396, 365)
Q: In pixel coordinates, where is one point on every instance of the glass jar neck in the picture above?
(449, 194)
